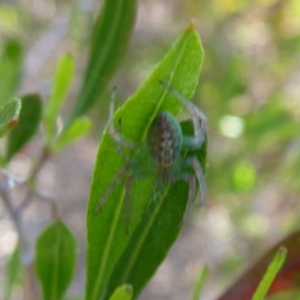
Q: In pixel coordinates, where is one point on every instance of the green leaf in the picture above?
(123, 292)
(271, 125)
(62, 80)
(202, 276)
(55, 260)
(270, 275)
(29, 121)
(107, 236)
(9, 115)
(13, 272)
(11, 61)
(109, 42)
(156, 233)
(76, 130)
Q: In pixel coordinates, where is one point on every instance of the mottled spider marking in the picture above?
(165, 143)
(164, 139)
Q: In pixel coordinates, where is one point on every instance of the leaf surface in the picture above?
(156, 233)
(107, 235)
(109, 42)
(9, 115)
(55, 260)
(75, 131)
(29, 121)
(288, 277)
(123, 292)
(63, 77)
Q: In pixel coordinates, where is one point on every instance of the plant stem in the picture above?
(31, 190)
(31, 178)
(31, 291)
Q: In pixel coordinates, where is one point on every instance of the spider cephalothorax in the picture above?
(165, 143)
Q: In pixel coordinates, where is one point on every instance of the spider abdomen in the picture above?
(164, 139)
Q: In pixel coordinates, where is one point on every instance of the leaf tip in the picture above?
(128, 288)
(282, 250)
(36, 95)
(13, 122)
(69, 54)
(191, 24)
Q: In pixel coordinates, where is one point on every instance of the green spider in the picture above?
(164, 142)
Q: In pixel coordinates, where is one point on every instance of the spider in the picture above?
(165, 143)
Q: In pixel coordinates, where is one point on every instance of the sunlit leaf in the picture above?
(123, 292)
(11, 61)
(270, 274)
(107, 236)
(75, 131)
(62, 80)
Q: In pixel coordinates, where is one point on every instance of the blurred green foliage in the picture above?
(11, 59)
(55, 259)
(249, 90)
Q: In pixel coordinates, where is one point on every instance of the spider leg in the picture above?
(198, 117)
(110, 188)
(190, 179)
(128, 183)
(195, 164)
(192, 192)
(115, 134)
(120, 145)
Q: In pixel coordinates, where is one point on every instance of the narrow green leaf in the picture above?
(76, 130)
(287, 279)
(270, 274)
(29, 121)
(11, 62)
(62, 80)
(13, 272)
(202, 276)
(55, 260)
(123, 292)
(109, 42)
(107, 237)
(158, 230)
(9, 115)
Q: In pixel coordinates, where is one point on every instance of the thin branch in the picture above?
(26, 250)
(39, 164)
(31, 191)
